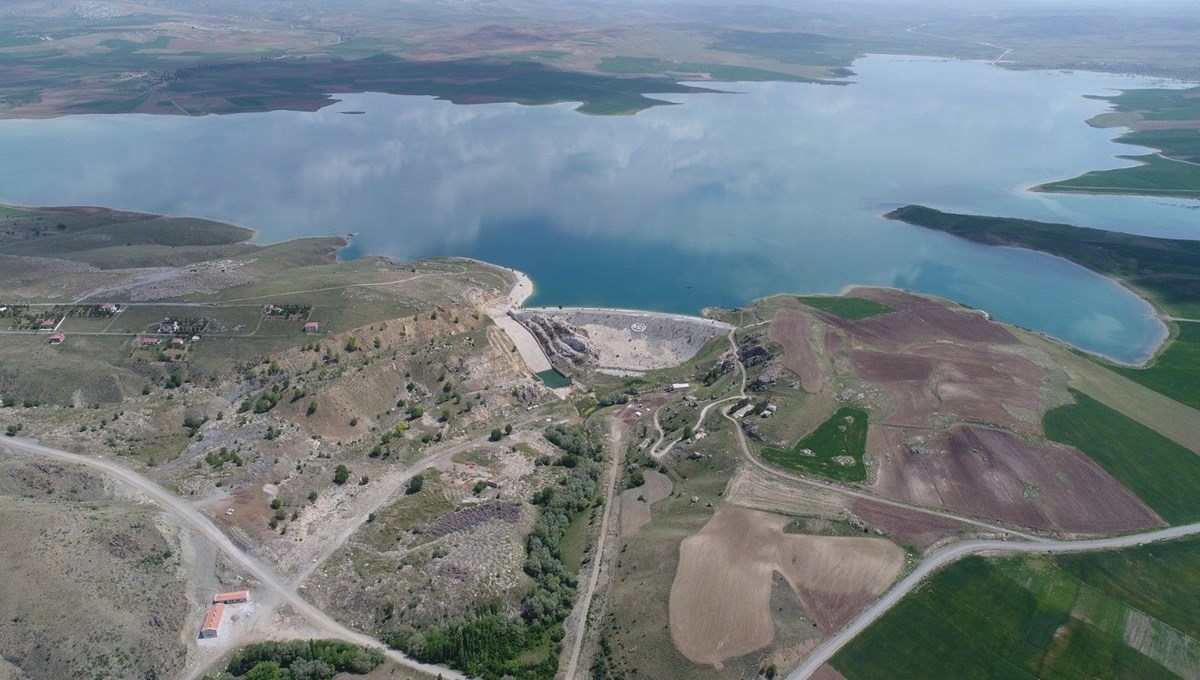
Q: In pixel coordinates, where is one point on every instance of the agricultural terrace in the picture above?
(835, 449)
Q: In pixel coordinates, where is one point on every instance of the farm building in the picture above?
(676, 387)
(212, 621)
(57, 338)
(151, 340)
(312, 327)
(177, 342)
(234, 597)
(108, 308)
(168, 325)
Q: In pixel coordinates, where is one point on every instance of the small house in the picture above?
(57, 338)
(677, 387)
(151, 340)
(177, 342)
(234, 597)
(312, 327)
(212, 621)
(108, 308)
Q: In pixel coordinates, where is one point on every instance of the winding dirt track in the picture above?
(266, 576)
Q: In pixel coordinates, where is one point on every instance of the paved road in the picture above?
(614, 441)
(952, 553)
(266, 576)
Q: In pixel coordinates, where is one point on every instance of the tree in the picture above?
(508, 429)
(312, 408)
(415, 412)
(688, 432)
(496, 435)
(341, 474)
(415, 484)
(352, 344)
(636, 479)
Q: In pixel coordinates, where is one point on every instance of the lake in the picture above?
(773, 188)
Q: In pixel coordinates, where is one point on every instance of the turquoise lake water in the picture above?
(774, 188)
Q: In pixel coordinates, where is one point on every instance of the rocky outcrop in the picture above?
(562, 341)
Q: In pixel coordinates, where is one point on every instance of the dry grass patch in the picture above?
(720, 600)
(636, 502)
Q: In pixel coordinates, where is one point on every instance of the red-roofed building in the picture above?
(312, 327)
(212, 621)
(57, 338)
(234, 597)
(108, 308)
(148, 340)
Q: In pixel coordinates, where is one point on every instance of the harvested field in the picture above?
(908, 527)
(997, 474)
(636, 502)
(753, 487)
(790, 329)
(720, 600)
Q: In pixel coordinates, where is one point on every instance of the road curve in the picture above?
(952, 553)
(266, 576)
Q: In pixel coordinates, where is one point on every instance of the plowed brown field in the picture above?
(790, 329)
(909, 527)
(993, 473)
(719, 605)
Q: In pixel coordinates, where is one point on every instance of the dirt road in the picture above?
(384, 492)
(952, 553)
(266, 576)
(614, 442)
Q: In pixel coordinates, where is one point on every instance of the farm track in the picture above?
(266, 576)
(597, 555)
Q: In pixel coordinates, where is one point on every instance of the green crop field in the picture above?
(1161, 580)
(1162, 473)
(983, 619)
(1176, 372)
(845, 434)
(851, 308)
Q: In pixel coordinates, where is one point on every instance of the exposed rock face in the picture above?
(753, 352)
(769, 376)
(528, 392)
(752, 431)
(562, 341)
